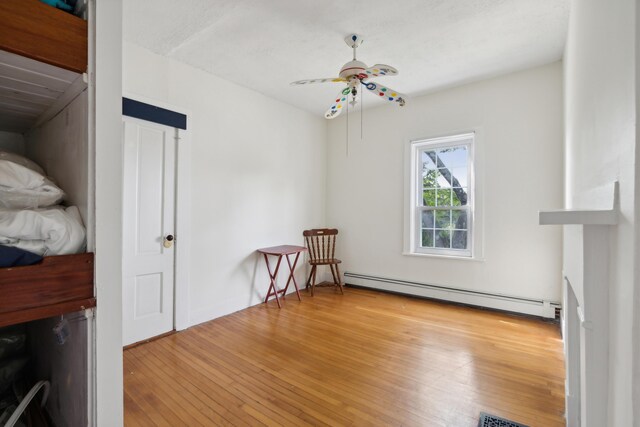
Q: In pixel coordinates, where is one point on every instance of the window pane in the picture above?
(443, 197)
(452, 157)
(443, 219)
(460, 197)
(443, 178)
(459, 177)
(427, 219)
(443, 238)
(428, 160)
(459, 220)
(429, 198)
(429, 178)
(427, 238)
(459, 239)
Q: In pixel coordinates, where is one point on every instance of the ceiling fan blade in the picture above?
(336, 107)
(380, 70)
(385, 92)
(308, 81)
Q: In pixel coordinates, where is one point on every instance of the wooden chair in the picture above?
(321, 243)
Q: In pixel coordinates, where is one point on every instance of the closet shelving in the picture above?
(37, 31)
(43, 60)
(57, 285)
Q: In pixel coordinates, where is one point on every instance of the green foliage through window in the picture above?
(444, 187)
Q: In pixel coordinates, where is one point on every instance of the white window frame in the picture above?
(415, 197)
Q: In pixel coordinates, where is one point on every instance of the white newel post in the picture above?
(585, 320)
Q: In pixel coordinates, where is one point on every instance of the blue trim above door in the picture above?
(151, 113)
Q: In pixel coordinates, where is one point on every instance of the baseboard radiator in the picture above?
(535, 307)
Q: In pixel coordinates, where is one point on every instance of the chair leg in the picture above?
(333, 274)
(338, 279)
(313, 279)
(313, 267)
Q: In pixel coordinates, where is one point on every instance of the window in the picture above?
(442, 196)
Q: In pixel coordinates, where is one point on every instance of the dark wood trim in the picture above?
(22, 316)
(33, 29)
(151, 113)
(57, 285)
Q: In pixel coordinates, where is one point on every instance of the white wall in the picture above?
(519, 157)
(60, 147)
(601, 140)
(13, 142)
(105, 152)
(257, 177)
(636, 310)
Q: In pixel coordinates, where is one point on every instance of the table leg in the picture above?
(291, 276)
(272, 277)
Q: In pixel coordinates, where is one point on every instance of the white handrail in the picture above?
(27, 399)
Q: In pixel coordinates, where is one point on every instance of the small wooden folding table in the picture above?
(280, 251)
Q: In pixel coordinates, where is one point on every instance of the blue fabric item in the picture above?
(14, 257)
(60, 4)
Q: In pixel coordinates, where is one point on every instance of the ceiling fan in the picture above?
(356, 73)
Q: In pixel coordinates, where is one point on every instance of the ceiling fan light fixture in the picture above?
(356, 73)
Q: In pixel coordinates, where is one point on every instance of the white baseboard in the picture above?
(481, 299)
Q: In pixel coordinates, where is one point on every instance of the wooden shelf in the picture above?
(57, 285)
(33, 29)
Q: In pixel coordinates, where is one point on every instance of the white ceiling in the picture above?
(266, 44)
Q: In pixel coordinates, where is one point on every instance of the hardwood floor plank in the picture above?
(172, 396)
(254, 378)
(181, 379)
(361, 359)
(239, 390)
(329, 375)
(135, 415)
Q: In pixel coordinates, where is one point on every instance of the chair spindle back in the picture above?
(321, 243)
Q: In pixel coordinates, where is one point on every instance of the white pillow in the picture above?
(24, 188)
(22, 161)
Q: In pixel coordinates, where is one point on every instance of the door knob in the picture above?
(168, 241)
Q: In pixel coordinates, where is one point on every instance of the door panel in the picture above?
(148, 295)
(150, 191)
(148, 217)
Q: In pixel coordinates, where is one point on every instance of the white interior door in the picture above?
(148, 224)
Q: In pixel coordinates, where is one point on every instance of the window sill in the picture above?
(450, 257)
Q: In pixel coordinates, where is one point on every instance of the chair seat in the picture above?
(324, 261)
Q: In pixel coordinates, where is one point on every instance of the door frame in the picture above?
(181, 318)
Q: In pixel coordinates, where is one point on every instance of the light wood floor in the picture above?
(365, 358)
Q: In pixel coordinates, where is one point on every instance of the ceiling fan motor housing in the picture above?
(353, 40)
(352, 69)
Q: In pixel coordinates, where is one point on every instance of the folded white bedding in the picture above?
(22, 187)
(21, 160)
(52, 231)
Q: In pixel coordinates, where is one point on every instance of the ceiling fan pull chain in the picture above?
(347, 118)
(361, 113)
